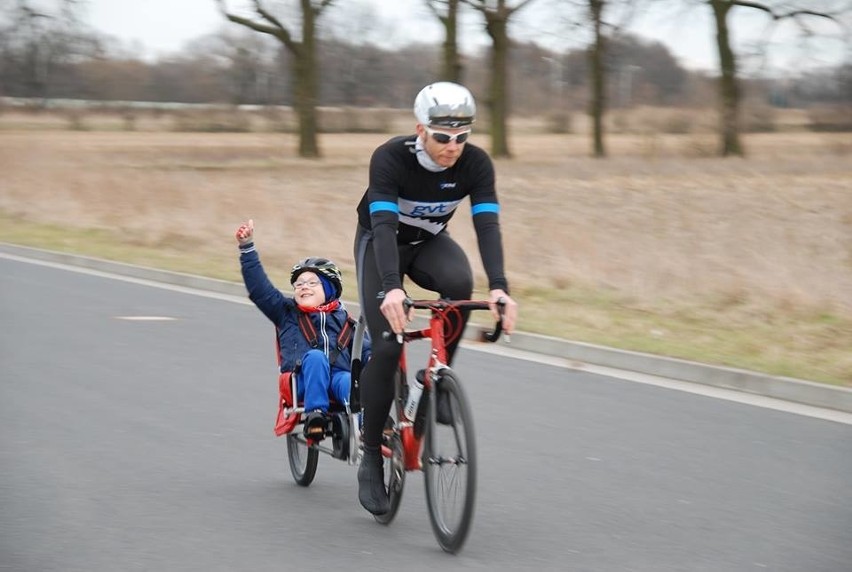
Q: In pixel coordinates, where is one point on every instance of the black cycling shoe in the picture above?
(444, 415)
(371, 482)
(422, 407)
(315, 425)
(340, 436)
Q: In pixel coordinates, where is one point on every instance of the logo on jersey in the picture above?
(445, 186)
(426, 209)
(429, 210)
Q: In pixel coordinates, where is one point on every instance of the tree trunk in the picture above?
(305, 73)
(729, 93)
(496, 25)
(596, 71)
(307, 86)
(452, 66)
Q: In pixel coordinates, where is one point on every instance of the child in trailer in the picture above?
(314, 329)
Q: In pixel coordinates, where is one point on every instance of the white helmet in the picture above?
(445, 104)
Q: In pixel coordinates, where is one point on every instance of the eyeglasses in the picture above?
(306, 284)
(445, 138)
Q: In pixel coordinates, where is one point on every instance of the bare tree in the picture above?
(596, 76)
(447, 12)
(244, 62)
(37, 46)
(729, 90)
(605, 19)
(497, 15)
(304, 62)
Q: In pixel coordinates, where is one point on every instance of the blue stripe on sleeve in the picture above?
(485, 208)
(384, 206)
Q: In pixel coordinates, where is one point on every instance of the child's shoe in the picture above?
(315, 425)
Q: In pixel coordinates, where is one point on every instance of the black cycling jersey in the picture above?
(414, 204)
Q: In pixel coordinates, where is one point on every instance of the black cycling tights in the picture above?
(438, 264)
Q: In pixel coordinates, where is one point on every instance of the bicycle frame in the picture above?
(435, 332)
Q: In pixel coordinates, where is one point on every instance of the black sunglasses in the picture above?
(444, 138)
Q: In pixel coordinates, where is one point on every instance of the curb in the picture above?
(784, 388)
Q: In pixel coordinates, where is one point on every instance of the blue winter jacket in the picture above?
(283, 312)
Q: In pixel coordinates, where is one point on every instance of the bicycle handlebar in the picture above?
(441, 305)
(494, 335)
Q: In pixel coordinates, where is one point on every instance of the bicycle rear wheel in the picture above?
(394, 468)
(303, 460)
(394, 478)
(449, 465)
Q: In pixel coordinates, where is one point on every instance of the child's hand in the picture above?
(245, 234)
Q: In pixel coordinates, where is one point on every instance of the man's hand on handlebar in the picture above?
(393, 310)
(510, 309)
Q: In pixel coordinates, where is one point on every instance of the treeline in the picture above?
(249, 69)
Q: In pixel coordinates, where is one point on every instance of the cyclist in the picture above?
(416, 182)
(317, 285)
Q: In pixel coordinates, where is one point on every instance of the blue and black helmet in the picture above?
(322, 267)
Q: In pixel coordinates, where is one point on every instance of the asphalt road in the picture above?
(147, 444)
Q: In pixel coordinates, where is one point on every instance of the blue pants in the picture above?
(317, 381)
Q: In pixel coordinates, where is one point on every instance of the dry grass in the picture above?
(662, 248)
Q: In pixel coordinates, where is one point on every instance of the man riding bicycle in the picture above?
(416, 182)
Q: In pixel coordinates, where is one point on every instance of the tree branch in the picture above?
(434, 10)
(266, 15)
(482, 6)
(783, 15)
(277, 30)
(519, 6)
(478, 5)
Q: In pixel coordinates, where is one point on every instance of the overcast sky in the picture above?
(164, 26)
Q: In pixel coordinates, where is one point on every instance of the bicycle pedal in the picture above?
(315, 434)
(316, 426)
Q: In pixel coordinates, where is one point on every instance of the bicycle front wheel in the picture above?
(449, 463)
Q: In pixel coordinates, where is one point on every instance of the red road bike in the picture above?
(440, 441)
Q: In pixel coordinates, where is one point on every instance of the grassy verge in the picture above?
(793, 341)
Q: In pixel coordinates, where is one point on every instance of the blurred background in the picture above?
(550, 59)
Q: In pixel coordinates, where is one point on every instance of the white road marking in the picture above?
(146, 318)
(131, 279)
(668, 383)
